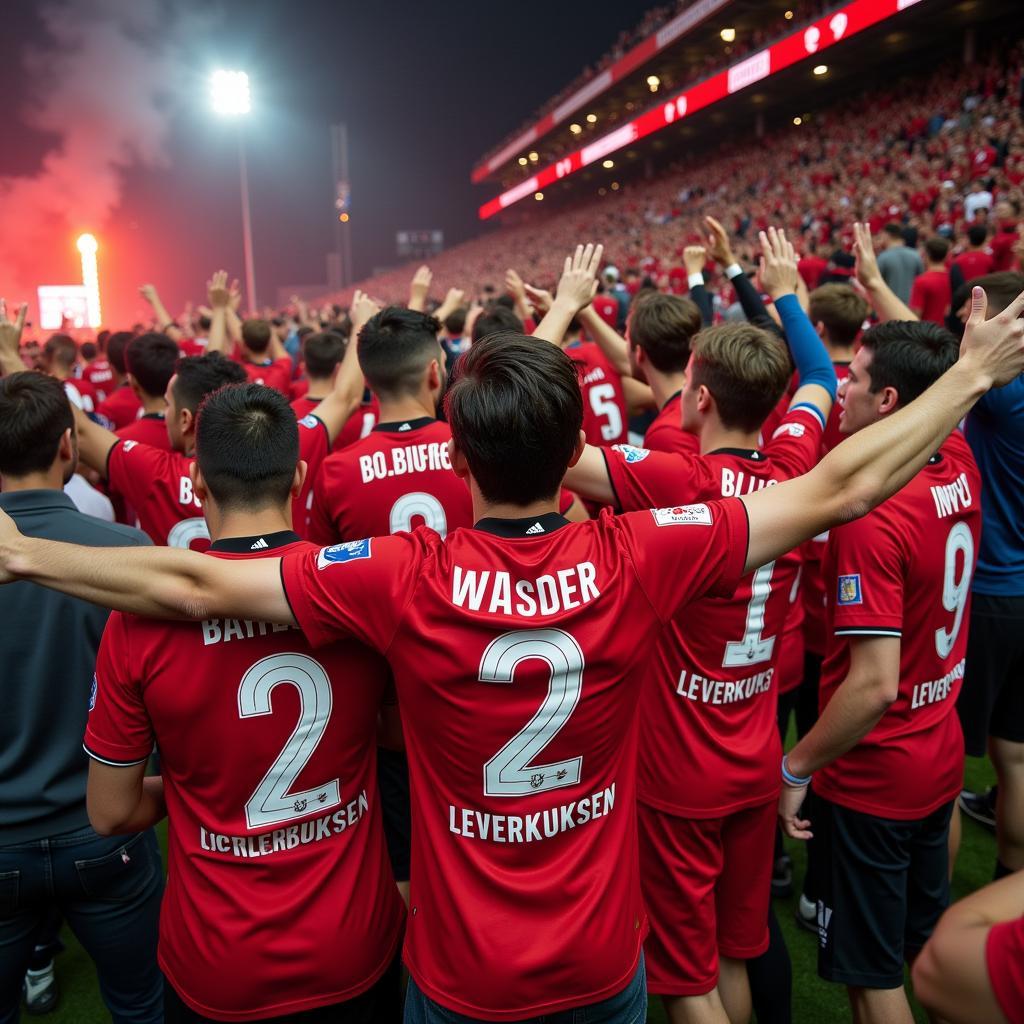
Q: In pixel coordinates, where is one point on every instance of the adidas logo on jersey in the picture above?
(536, 528)
(404, 426)
(258, 545)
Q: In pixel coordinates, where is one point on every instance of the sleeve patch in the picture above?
(792, 429)
(309, 421)
(849, 591)
(92, 692)
(631, 453)
(349, 551)
(682, 515)
(129, 445)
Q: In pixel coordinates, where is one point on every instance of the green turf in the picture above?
(814, 1000)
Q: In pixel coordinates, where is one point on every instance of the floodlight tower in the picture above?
(229, 96)
(87, 246)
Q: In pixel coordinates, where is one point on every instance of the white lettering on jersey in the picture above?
(951, 498)
(713, 691)
(218, 631)
(471, 823)
(546, 595)
(281, 839)
(937, 689)
(736, 482)
(415, 458)
(185, 494)
(595, 374)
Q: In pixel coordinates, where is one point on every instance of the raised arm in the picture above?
(167, 583)
(576, 290)
(452, 301)
(695, 258)
(864, 470)
(94, 442)
(884, 301)
(165, 322)
(219, 297)
(10, 339)
(515, 287)
(610, 342)
(721, 251)
(419, 288)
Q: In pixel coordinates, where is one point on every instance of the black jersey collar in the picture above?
(533, 526)
(742, 453)
(671, 399)
(258, 542)
(403, 426)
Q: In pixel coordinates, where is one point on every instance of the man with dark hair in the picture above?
(318, 924)
(887, 747)
(322, 354)
(932, 293)
(452, 340)
(107, 889)
(496, 317)
(976, 260)
(121, 405)
(898, 263)
(492, 630)
(60, 355)
(263, 356)
(708, 827)
(150, 360)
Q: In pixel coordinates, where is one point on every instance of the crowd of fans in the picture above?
(386, 475)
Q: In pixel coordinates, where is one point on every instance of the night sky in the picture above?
(425, 89)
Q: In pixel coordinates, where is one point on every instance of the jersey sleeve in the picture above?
(642, 479)
(356, 588)
(132, 467)
(685, 552)
(866, 584)
(119, 731)
(795, 445)
(314, 444)
(1004, 957)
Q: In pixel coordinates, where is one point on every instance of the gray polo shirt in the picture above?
(48, 645)
(899, 266)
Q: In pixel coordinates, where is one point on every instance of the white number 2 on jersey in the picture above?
(418, 503)
(183, 533)
(271, 802)
(602, 401)
(509, 772)
(753, 648)
(955, 591)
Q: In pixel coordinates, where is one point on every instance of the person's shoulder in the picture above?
(82, 528)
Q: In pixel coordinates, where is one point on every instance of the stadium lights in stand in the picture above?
(728, 35)
(607, 164)
(801, 43)
(575, 128)
(523, 161)
(591, 118)
(798, 121)
(653, 81)
(788, 15)
(534, 157)
(821, 69)
(87, 247)
(538, 196)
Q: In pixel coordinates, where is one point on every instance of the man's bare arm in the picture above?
(94, 442)
(10, 339)
(885, 302)
(164, 583)
(419, 288)
(866, 469)
(165, 322)
(576, 290)
(589, 477)
(122, 800)
(219, 297)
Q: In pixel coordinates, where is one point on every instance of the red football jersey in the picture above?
(396, 478)
(81, 394)
(604, 406)
(904, 570)
(518, 648)
(275, 373)
(279, 897)
(666, 434)
(314, 447)
(932, 294)
(974, 263)
(607, 308)
(1004, 957)
(712, 689)
(100, 375)
(356, 427)
(121, 407)
(150, 429)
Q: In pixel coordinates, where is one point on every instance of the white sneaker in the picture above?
(807, 914)
(40, 989)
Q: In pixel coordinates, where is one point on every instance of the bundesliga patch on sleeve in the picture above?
(682, 515)
(129, 445)
(336, 554)
(309, 421)
(793, 429)
(92, 692)
(631, 453)
(849, 590)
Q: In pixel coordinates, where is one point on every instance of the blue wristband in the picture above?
(789, 778)
(810, 356)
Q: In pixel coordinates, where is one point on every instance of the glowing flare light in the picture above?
(88, 246)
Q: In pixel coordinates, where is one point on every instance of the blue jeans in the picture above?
(109, 890)
(626, 1007)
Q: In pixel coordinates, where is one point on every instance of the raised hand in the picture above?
(719, 247)
(864, 251)
(149, 293)
(578, 283)
(540, 297)
(362, 310)
(778, 263)
(234, 295)
(514, 284)
(10, 330)
(996, 346)
(694, 258)
(420, 288)
(217, 291)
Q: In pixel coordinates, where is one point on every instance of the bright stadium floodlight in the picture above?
(88, 246)
(229, 93)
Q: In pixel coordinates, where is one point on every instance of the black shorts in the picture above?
(883, 887)
(393, 783)
(991, 701)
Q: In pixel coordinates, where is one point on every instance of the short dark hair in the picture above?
(256, 335)
(322, 352)
(455, 322)
(937, 248)
(205, 322)
(894, 230)
(61, 348)
(247, 446)
(663, 325)
(840, 309)
(199, 376)
(746, 369)
(1001, 288)
(89, 350)
(515, 409)
(117, 343)
(494, 319)
(977, 233)
(34, 413)
(908, 355)
(150, 358)
(395, 347)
